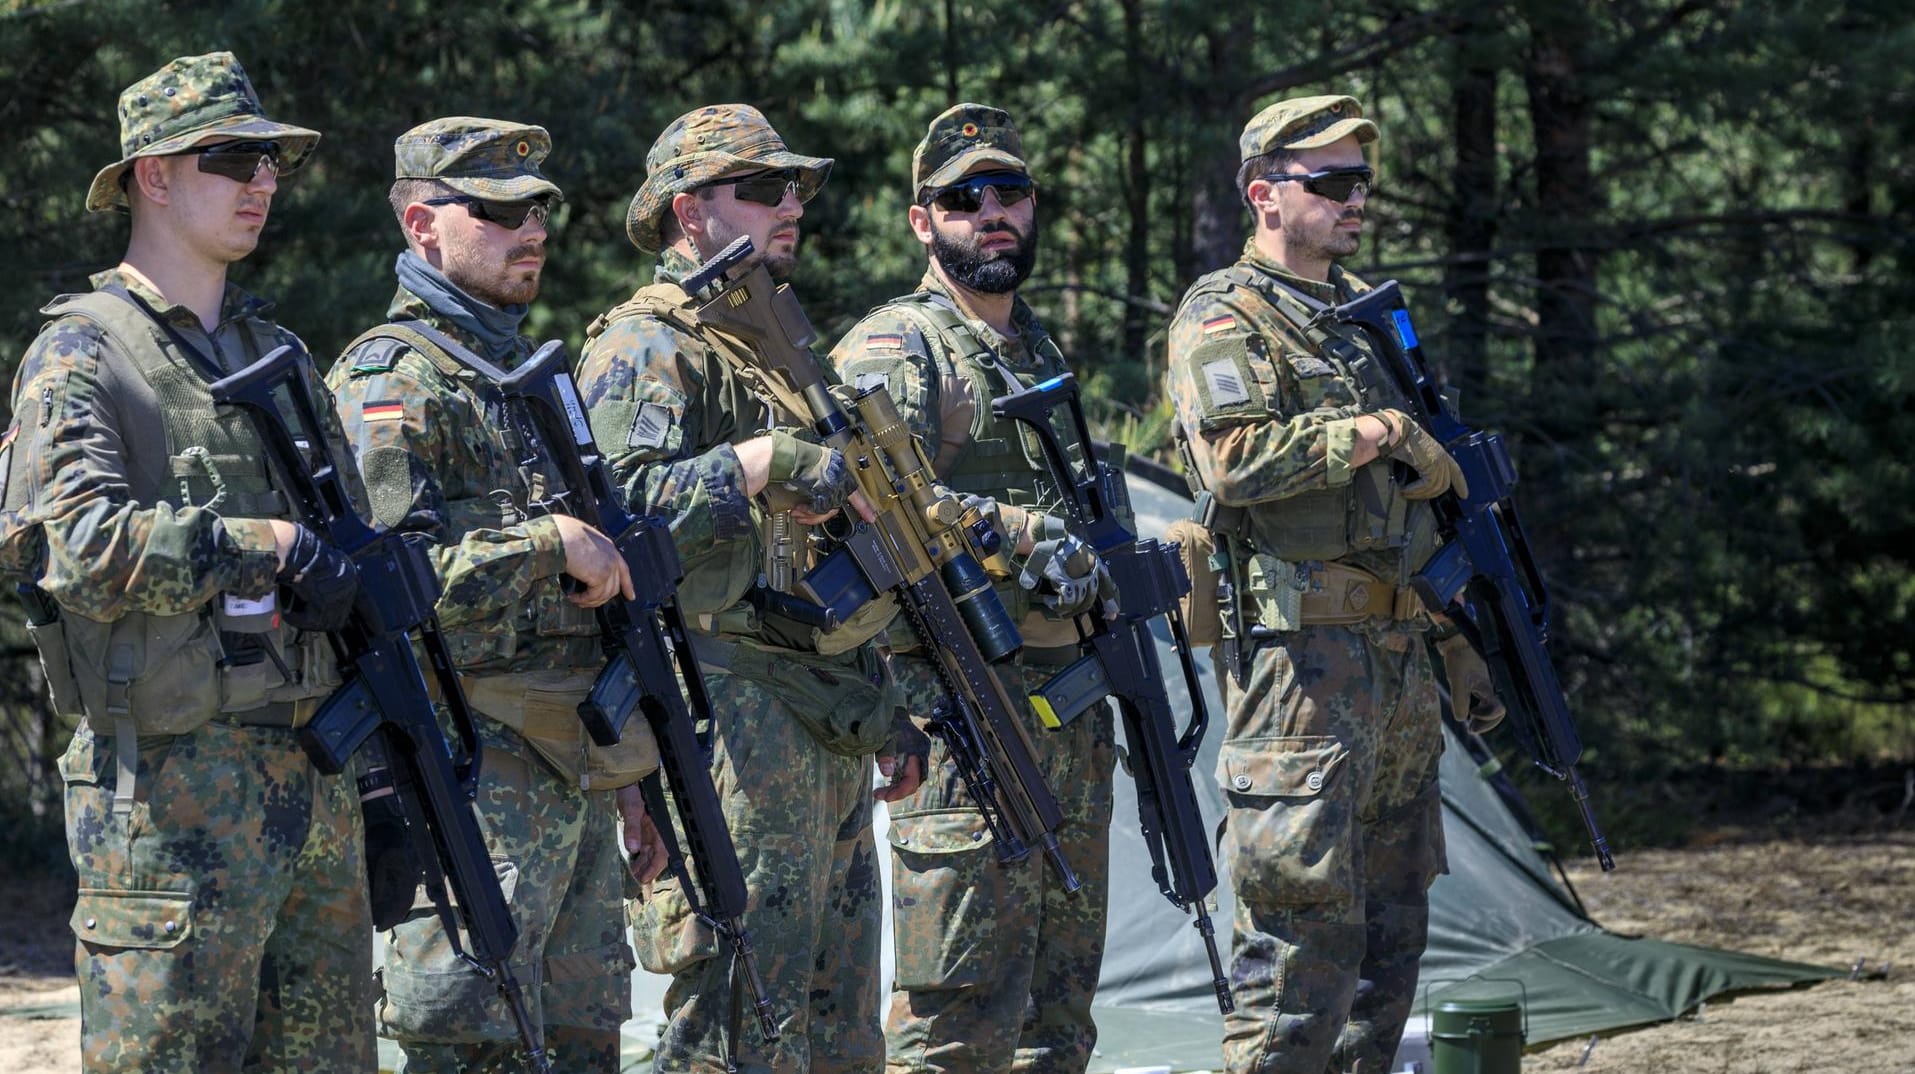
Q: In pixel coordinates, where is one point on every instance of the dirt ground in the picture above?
(1829, 900)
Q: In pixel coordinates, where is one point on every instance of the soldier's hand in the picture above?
(644, 848)
(904, 762)
(1472, 693)
(1068, 577)
(594, 560)
(320, 582)
(817, 476)
(1436, 470)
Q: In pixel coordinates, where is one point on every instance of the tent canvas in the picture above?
(1500, 916)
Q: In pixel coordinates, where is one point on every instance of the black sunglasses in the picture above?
(507, 214)
(967, 195)
(1337, 184)
(238, 161)
(764, 188)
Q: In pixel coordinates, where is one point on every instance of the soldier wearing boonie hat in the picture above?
(472, 200)
(978, 942)
(221, 919)
(681, 409)
(1329, 758)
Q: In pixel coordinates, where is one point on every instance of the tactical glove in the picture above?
(1066, 575)
(908, 741)
(1472, 694)
(320, 583)
(392, 870)
(1436, 471)
(804, 474)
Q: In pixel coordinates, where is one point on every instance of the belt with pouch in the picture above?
(286, 715)
(1340, 595)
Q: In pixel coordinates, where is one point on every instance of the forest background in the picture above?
(1662, 245)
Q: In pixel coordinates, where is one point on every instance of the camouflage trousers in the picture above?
(996, 964)
(1333, 837)
(800, 817)
(222, 922)
(557, 852)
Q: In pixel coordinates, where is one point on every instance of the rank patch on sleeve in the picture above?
(884, 341)
(382, 411)
(1226, 383)
(864, 382)
(649, 426)
(1220, 323)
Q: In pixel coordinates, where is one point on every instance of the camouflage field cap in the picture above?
(705, 144)
(183, 103)
(962, 137)
(1305, 123)
(486, 158)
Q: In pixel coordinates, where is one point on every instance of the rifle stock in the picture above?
(1122, 662)
(384, 704)
(1485, 576)
(923, 546)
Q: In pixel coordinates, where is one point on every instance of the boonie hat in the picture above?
(179, 106)
(710, 143)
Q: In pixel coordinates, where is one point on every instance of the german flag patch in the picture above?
(884, 341)
(1221, 323)
(385, 411)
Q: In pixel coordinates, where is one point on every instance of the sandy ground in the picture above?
(1830, 900)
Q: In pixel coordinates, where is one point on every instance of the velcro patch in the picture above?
(1226, 383)
(385, 410)
(884, 341)
(649, 426)
(864, 382)
(1222, 323)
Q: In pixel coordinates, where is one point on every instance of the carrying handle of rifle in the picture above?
(1033, 407)
(252, 390)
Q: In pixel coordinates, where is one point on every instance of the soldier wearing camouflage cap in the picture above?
(180, 613)
(800, 710)
(980, 943)
(1294, 435)
(474, 206)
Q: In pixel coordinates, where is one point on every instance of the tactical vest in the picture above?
(717, 584)
(169, 674)
(547, 614)
(1004, 459)
(1367, 519)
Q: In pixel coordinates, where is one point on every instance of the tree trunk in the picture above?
(1216, 210)
(1136, 196)
(1472, 214)
(1560, 114)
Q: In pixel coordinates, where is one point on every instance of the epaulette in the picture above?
(378, 356)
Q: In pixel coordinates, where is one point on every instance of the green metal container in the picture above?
(1477, 1036)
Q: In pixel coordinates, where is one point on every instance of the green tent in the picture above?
(1501, 923)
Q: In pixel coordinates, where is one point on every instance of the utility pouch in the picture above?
(1274, 588)
(846, 701)
(49, 636)
(1203, 619)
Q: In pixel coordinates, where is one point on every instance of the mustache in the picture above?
(525, 250)
(1352, 214)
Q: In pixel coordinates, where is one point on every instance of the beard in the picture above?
(988, 272)
(1337, 244)
(507, 286)
(720, 234)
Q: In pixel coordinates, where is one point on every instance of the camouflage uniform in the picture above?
(222, 915)
(794, 727)
(439, 459)
(996, 963)
(1329, 759)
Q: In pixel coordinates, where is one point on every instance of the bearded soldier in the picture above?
(222, 916)
(996, 963)
(700, 432)
(1321, 482)
(442, 460)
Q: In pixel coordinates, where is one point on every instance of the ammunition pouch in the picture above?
(1197, 548)
(543, 707)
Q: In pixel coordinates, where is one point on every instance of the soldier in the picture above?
(222, 914)
(996, 964)
(440, 459)
(697, 436)
(1329, 759)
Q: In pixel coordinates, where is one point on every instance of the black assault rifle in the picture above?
(647, 651)
(925, 547)
(384, 704)
(1484, 577)
(1122, 661)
